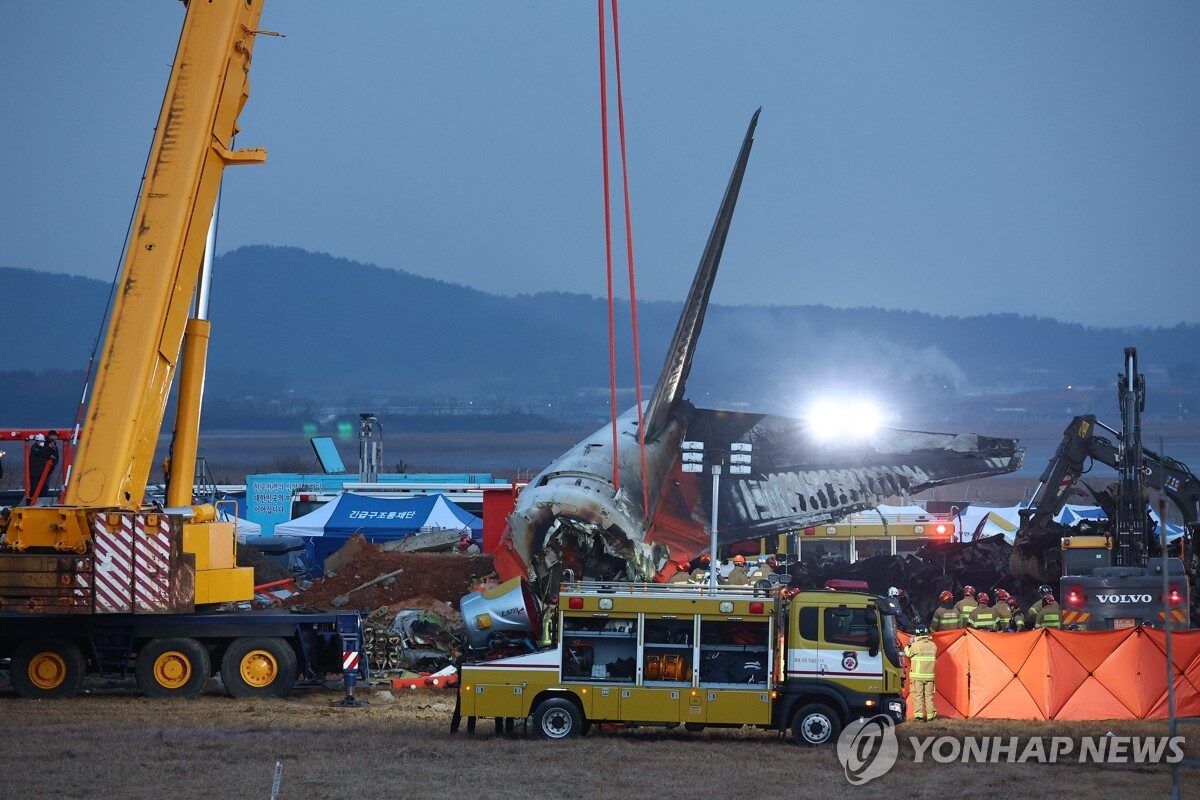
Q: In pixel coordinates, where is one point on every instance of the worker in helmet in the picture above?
(763, 570)
(1002, 611)
(922, 655)
(1017, 616)
(1036, 608)
(1050, 615)
(946, 616)
(968, 602)
(43, 458)
(982, 617)
(681, 573)
(737, 576)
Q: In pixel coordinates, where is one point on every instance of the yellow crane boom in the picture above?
(150, 321)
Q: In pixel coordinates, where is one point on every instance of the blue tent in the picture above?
(378, 519)
(1072, 515)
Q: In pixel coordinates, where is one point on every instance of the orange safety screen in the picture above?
(1071, 675)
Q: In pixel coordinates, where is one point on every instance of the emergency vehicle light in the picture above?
(1075, 597)
(575, 603)
(1174, 597)
(756, 608)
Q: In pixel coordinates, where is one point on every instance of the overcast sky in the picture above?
(942, 156)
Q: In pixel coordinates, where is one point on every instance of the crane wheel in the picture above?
(172, 668)
(259, 667)
(45, 668)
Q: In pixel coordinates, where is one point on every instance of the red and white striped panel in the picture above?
(152, 565)
(83, 585)
(112, 566)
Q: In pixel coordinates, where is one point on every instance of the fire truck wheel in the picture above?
(557, 718)
(815, 724)
(45, 668)
(172, 668)
(259, 667)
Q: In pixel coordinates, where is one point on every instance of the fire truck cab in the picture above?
(670, 654)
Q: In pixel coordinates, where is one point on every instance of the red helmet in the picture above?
(739, 559)
(968, 591)
(982, 598)
(946, 596)
(682, 565)
(1001, 594)
(1012, 601)
(1048, 598)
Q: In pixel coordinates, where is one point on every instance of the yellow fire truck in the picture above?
(666, 654)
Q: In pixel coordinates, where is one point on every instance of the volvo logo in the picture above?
(1124, 598)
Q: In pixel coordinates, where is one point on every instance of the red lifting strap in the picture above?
(637, 359)
(612, 341)
(612, 347)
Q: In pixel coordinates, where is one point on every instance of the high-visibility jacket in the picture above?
(1003, 615)
(982, 618)
(1049, 617)
(1018, 619)
(738, 577)
(1034, 610)
(946, 619)
(922, 653)
(966, 606)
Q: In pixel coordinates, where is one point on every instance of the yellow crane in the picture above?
(158, 324)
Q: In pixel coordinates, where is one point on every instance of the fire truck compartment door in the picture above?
(500, 700)
(737, 706)
(640, 704)
(606, 703)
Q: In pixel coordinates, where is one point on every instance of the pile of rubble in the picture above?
(365, 576)
(411, 624)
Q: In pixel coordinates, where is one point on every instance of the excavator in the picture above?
(102, 581)
(1111, 576)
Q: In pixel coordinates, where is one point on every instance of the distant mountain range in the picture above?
(289, 321)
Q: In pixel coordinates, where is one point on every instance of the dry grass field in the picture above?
(114, 745)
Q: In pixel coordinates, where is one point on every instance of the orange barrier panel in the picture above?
(1072, 675)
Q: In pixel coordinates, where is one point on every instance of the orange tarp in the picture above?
(1074, 675)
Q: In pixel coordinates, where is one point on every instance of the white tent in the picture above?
(989, 521)
(245, 528)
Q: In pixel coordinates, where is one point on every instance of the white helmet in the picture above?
(893, 591)
(39, 437)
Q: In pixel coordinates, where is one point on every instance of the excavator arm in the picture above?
(1038, 534)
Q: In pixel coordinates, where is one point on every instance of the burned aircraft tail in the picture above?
(669, 388)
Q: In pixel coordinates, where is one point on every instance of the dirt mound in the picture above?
(423, 578)
(265, 570)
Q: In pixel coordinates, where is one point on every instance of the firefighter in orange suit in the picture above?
(922, 653)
